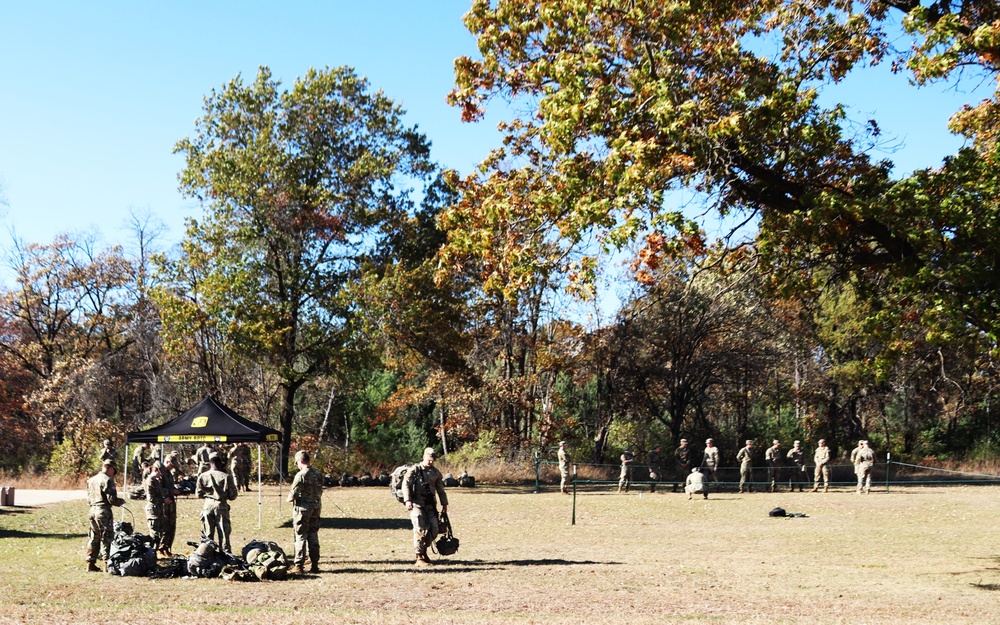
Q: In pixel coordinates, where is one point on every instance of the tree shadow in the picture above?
(8, 533)
(453, 565)
(341, 523)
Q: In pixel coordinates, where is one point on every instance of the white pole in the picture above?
(259, 501)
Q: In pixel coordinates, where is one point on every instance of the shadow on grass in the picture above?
(6, 533)
(341, 523)
(452, 565)
(986, 586)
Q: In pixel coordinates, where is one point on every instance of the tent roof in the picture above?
(210, 422)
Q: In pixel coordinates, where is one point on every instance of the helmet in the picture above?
(446, 545)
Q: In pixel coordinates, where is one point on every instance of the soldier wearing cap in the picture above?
(710, 460)
(563, 467)
(653, 462)
(307, 496)
(101, 495)
(695, 484)
(141, 455)
(625, 478)
(682, 463)
(745, 458)
(863, 458)
(169, 519)
(217, 488)
(107, 452)
(423, 486)
(797, 458)
(156, 495)
(822, 460)
(775, 463)
(201, 457)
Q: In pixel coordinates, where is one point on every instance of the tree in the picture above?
(298, 186)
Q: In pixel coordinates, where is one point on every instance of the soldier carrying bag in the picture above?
(446, 544)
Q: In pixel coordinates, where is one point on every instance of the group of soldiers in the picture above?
(423, 489)
(159, 480)
(694, 471)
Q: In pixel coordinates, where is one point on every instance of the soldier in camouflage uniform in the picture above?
(307, 497)
(155, 495)
(169, 521)
(139, 456)
(797, 474)
(423, 486)
(625, 478)
(240, 465)
(822, 460)
(101, 495)
(863, 459)
(107, 452)
(653, 462)
(201, 457)
(682, 463)
(745, 458)
(710, 460)
(563, 467)
(217, 488)
(775, 463)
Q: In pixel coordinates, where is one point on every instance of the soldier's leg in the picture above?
(299, 530)
(225, 528)
(312, 539)
(826, 478)
(106, 522)
(207, 524)
(420, 527)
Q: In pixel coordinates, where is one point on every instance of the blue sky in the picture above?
(95, 95)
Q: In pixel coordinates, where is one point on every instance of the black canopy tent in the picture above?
(208, 422)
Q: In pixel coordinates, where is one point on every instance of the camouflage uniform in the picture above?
(653, 461)
(217, 489)
(169, 521)
(863, 459)
(775, 463)
(682, 463)
(307, 495)
(563, 468)
(695, 483)
(108, 452)
(101, 495)
(201, 457)
(798, 461)
(155, 494)
(420, 485)
(822, 460)
(745, 458)
(625, 478)
(240, 466)
(139, 457)
(710, 460)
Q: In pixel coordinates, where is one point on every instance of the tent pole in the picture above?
(124, 481)
(259, 501)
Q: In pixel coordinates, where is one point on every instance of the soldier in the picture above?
(217, 488)
(625, 478)
(682, 463)
(775, 462)
(653, 461)
(139, 456)
(797, 458)
(240, 465)
(201, 457)
(108, 452)
(710, 460)
(101, 495)
(155, 496)
(863, 457)
(745, 458)
(563, 467)
(423, 486)
(695, 483)
(307, 497)
(169, 522)
(822, 460)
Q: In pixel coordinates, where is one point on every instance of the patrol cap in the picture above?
(797, 443)
(749, 441)
(214, 456)
(709, 440)
(109, 463)
(562, 443)
(107, 442)
(684, 440)
(775, 442)
(430, 451)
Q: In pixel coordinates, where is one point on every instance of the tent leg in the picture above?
(259, 501)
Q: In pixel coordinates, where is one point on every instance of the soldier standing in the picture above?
(682, 463)
(653, 461)
(240, 465)
(201, 456)
(863, 458)
(217, 488)
(423, 486)
(563, 467)
(798, 461)
(625, 478)
(710, 460)
(155, 496)
(307, 496)
(101, 495)
(107, 452)
(139, 457)
(775, 461)
(822, 460)
(169, 521)
(745, 458)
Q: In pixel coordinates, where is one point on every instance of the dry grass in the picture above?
(42, 481)
(918, 555)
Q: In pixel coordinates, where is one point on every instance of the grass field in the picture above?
(918, 555)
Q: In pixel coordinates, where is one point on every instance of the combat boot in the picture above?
(815, 488)
(93, 568)
(826, 489)
(297, 570)
(314, 568)
(423, 560)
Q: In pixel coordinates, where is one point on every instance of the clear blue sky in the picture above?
(95, 94)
